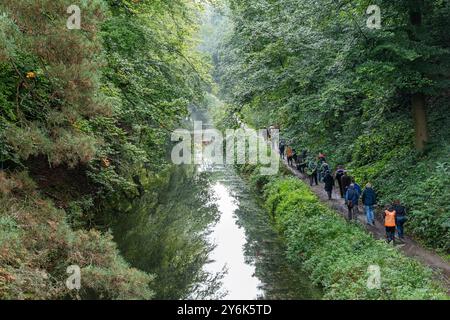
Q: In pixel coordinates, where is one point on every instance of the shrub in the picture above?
(37, 245)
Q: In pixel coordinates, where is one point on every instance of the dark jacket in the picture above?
(304, 155)
(325, 167)
(339, 174)
(400, 210)
(329, 182)
(352, 195)
(369, 197)
(346, 181)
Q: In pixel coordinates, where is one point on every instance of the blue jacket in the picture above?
(352, 195)
(369, 197)
(358, 189)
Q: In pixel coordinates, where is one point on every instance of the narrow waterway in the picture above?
(239, 281)
(248, 249)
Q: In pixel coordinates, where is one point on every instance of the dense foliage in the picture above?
(85, 122)
(37, 245)
(86, 117)
(375, 100)
(336, 254)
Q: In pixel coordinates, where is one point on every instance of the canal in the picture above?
(248, 250)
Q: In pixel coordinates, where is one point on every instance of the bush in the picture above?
(37, 245)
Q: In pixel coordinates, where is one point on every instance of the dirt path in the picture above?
(410, 248)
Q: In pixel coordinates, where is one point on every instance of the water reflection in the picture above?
(247, 244)
(239, 281)
(266, 250)
(249, 247)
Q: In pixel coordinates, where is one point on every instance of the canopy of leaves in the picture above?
(88, 113)
(334, 85)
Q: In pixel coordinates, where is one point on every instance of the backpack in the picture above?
(350, 195)
(400, 210)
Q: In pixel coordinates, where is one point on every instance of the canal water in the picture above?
(248, 250)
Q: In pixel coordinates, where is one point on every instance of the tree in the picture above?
(364, 96)
(418, 99)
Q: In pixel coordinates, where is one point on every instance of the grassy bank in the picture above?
(335, 253)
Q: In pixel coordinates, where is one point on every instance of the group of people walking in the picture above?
(318, 170)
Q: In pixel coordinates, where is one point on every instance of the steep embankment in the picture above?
(85, 119)
(37, 245)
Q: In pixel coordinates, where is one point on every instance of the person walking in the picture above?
(304, 155)
(358, 189)
(338, 176)
(312, 172)
(289, 154)
(322, 157)
(369, 199)
(282, 148)
(389, 223)
(302, 165)
(329, 183)
(323, 168)
(400, 218)
(351, 199)
(294, 156)
(357, 186)
(346, 181)
(319, 169)
(320, 162)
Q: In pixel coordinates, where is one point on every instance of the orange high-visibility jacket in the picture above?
(289, 152)
(389, 220)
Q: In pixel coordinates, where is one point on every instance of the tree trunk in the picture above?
(420, 121)
(418, 99)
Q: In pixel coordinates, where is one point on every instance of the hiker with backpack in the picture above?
(329, 183)
(357, 186)
(338, 176)
(282, 148)
(346, 181)
(358, 189)
(320, 162)
(312, 172)
(324, 168)
(351, 199)
(302, 166)
(369, 199)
